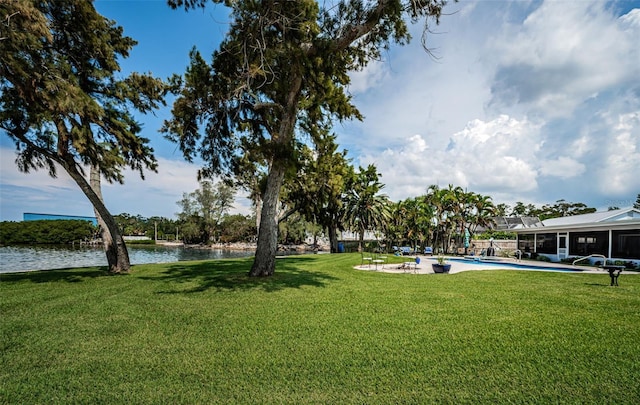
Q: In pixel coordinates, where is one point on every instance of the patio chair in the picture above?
(379, 260)
(366, 257)
(415, 266)
(411, 265)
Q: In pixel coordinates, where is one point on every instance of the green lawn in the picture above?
(317, 332)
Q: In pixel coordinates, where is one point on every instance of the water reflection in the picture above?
(24, 258)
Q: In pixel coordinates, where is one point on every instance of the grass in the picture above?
(317, 332)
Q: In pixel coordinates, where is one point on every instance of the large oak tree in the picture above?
(280, 74)
(62, 103)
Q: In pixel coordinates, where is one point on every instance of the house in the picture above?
(614, 235)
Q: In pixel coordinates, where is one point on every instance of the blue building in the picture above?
(30, 216)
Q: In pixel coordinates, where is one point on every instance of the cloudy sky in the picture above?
(530, 101)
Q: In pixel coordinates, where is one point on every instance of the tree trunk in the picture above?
(115, 248)
(333, 239)
(264, 263)
(107, 240)
(258, 204)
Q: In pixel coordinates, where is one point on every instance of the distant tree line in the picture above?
(328, 195)
(204, 218)
(560, 208)
(439, 218)
(46, 232)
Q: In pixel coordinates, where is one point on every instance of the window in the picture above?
(626, 244)
(525, 242)
(588, 243)
(547, 243)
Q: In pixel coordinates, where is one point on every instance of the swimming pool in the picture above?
(520, 266)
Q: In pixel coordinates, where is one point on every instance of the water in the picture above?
(521, 266)
(25, 258)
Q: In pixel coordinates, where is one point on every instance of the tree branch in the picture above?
(354, 32)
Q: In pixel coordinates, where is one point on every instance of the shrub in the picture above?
(45, 232)
(498, 235)
(141, 242)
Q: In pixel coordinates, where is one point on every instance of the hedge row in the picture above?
(45, 232)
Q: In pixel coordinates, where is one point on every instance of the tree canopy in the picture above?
(46, 232)
(365, 208)
(317, 189)
(280, 76)
(203, 211)
(561, 208)
(62, 103)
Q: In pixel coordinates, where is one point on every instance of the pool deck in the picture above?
(458, 266)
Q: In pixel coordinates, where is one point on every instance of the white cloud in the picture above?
(620, 169)
(563, 54)
(495, 156)
(563, 167)
(157, 195)
(11, 176)
(517, 106)
(370, 76)
(420, 94)
(581, 145)
(630, 22)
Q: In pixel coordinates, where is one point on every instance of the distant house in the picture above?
(30, 216)
(613, 234)
(352, 236)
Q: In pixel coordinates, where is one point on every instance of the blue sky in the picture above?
(530, 101)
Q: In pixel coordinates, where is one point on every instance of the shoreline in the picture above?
(252, 247)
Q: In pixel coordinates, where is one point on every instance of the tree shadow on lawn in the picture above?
(597, 284)
(232, 275)
(70, 275)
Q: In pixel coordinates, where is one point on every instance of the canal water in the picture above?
(27, 258)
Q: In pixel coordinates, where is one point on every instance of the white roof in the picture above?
(602, 217)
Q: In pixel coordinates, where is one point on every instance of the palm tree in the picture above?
(436, 199)
(483, 214)
(460, 205)
(395, 229)
(417, 216)
(364, 208)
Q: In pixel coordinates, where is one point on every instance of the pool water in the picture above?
(519, 266)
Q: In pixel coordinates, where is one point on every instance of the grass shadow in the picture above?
(70, 275)
(232, 275)
(607, 284)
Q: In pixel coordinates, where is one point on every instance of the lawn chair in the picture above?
(411, 265)
(366, 257)
(415, 266)
(380, 260)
